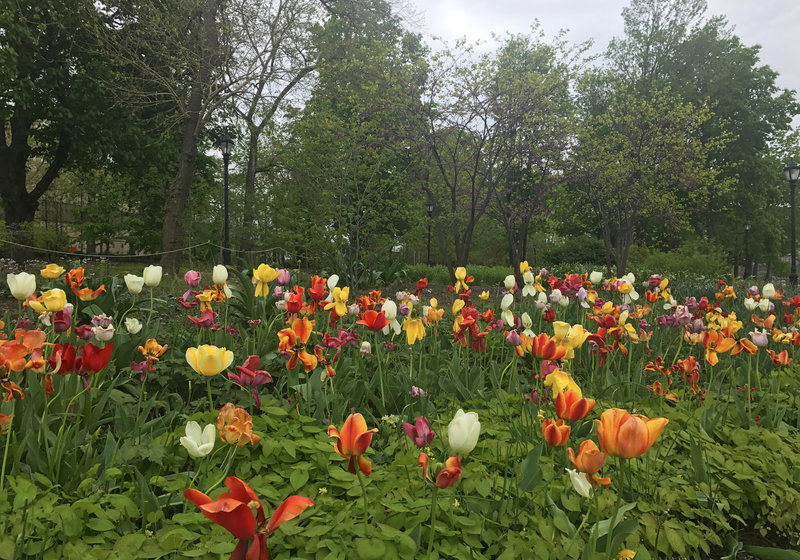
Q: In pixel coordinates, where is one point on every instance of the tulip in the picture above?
(52, 271)
(589, 460)
(250, 376)
(62, 321)
(759, 337)
(134, 283)
(263, 275)
(389, 309)
(352, 442)
(463, 432)
(192, 278)
(595, 277)
(509, 282)
(84, 332)
(447, 476)
(209, 360)
(284, 277)
(366, 348)
(415, 330)
(199, 443)
(103, 334)
(484, 295)
(22, 285)
(54, 300)
(572, 407)
(219, 274)
(626, 435)
(152, 276)
(529, 289)
(5, 423)
(768, 291)
(555, 433)
(235, 426)
(373, 320)
(506, 314)
(101, 320)
(420, 433)
(132, 325)
(580, 483)
(339, 302)
(93, 358)
(332, 282)
(234, 512)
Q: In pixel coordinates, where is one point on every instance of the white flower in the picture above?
(629, 278)
(390, 310)
(103, 334)
(199, 443)
(528, 290)
(555, 296)
(596, 277)
(764, 305)
(366, 347)
(768, 291)
(22, 285)
(750, 304)
(463, 432)
(134, 283)
(332, 281)
(506, 314)
(132, 325)
(631, 297)
(579, 483)
(219, 275)
(509, 282)
(152, 275)
(527, 323)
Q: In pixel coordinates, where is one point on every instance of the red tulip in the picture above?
(570, 406)
(353, 441)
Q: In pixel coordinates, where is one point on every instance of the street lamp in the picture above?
(747, 227)
(430, 219)
(792, 171)
(226, 146)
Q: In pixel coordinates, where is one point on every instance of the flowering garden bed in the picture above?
(553, 417)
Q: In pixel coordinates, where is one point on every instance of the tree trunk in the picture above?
(248, 218)
(172, 229)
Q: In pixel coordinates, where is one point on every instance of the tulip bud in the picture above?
(463, 432)
(22, 285)
(596, 277)
(768, 291)
(283, 277)
(197, 442)
(132, 325)
(134, 283)
(84, 332)
(580, 483)
(152, 275)
(62, 321)
(366, 348)
(219, 275)
(764, 305)
(509, 282)
(513, 338)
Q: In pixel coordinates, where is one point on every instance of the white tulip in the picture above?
(134, 283)
(629, 278)
(132, 325)
(333, 280)
(579, 483)
(389, 308)
(507, 315)
(764, 305)
(750, 304)
(596, 277)
(527, 323)
(152, 275)
(463, 432)
(22, 285)
(509, 282)
(564, 301)
(199, 443)
(219, 274)
(768, 291)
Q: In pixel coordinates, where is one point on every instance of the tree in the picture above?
(54, 114)
(640, 157)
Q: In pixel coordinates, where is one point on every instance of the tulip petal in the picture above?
(289, 509)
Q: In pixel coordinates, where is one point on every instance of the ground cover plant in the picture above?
(235, 412)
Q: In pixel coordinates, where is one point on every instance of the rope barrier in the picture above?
(83, 255)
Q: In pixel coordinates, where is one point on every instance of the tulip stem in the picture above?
(364, 496)
(227, 462)
(150, 316)
(433, 521)
(121, 322)
(380, 373)
(208, 388)
(8, 442)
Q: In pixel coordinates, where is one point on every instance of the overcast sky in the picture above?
(773, 24)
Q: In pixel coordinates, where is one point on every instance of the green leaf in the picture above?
(531, 474)
(298, 478)
(370, 549)
(560, 518)
(770, 553)
(100, 524)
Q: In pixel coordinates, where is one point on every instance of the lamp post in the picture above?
(747, 227)
(430, 219)
(792, 171)
(226, 146)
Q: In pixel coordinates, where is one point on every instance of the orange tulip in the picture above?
(626, 435)
(353, 441)
(555, 433)
(447, 476)
(235, 426)
(589, 460)
(545, 348)
(294, 340)
(781, 359)
(714, 342)
(571, 406)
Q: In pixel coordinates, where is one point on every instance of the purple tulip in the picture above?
(421, 434)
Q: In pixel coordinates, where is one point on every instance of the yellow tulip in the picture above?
(568, 337)
(52, 271)
(209, 360)
(415, 330)
(457, 306)
(561, 381)
(264, 274)
(339, 303)
(54, 300)
(484, 295)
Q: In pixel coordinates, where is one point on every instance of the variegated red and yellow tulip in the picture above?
(556, 433)
(571, 406)
(293, 341)
(352, 442)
